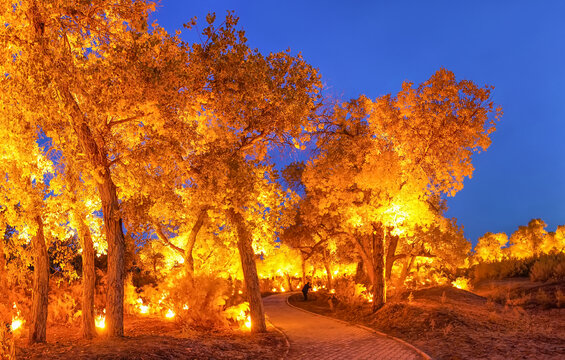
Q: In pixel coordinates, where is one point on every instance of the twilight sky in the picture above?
(371, 47)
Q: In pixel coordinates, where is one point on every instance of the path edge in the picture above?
(287, 342)
(418, 351)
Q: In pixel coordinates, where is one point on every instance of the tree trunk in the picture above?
(289, 283)
(328, 271)
(406, 269)
(3, 278)
(367, 261)
(88, 330)
(249, 272)
(379, 283)
(112, 221)
(39, 302)
(189, 259)
(303, 270)
(390, 253)
(116, 246)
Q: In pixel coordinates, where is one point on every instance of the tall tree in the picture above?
(390, 157)
(96, 72)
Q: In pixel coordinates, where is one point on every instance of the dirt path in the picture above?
(313, 336)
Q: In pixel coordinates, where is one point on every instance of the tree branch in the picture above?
(132, 118)
(161, 235)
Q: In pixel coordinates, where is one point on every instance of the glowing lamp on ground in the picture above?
(185, 307)
(282, 289)
(274, 290)
(143, 309)
(100, 321)
(461, 283)
(247, 323)
(170, 314)
(16, 323)
(332, 291)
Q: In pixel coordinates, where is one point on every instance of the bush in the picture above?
(64, 303)
(548, 267)
(200, 301)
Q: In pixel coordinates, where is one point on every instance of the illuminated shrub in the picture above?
(64, 303)
(502, 269)
(548, 267)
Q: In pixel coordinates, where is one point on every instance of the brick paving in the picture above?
(317, 337)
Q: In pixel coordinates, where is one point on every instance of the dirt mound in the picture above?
(448, 293)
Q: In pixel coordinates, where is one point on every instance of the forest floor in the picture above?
(155, 338)
(503, 319)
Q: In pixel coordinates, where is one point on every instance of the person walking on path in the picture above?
(305, 290)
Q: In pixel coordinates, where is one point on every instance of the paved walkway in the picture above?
(317, 337)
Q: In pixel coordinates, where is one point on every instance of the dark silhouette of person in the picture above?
(305, 290)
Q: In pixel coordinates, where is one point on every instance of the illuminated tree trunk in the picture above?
(406, 269)
(88, 330)
(3, 279)
(116, 252)
(39, 302)
(379, 282)
(111, 215)
(189, 259)
(371, 249)
(328, 271)
(390, 255)
(303, 270)
(289, 283)
(249, 272)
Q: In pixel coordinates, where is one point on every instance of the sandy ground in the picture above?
(448, 323)
(154, 338)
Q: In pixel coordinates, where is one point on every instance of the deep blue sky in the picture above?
(371, 47)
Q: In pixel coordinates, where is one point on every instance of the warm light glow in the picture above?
(461, 283)
(315, 288)
(143, 309)
(240, 292)
(185, 307)
(100, 321)
(240, 314)
(16, 323)
(274, 290)
(332, 291)
(282, 289)
(170, 314)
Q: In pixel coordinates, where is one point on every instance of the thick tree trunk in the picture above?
(367, 261)
(390, 255)
(88, 330)
(112, 220)
(379, 282)
(189, 259)
(249, 272)
(39, 302)
(116, 252)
